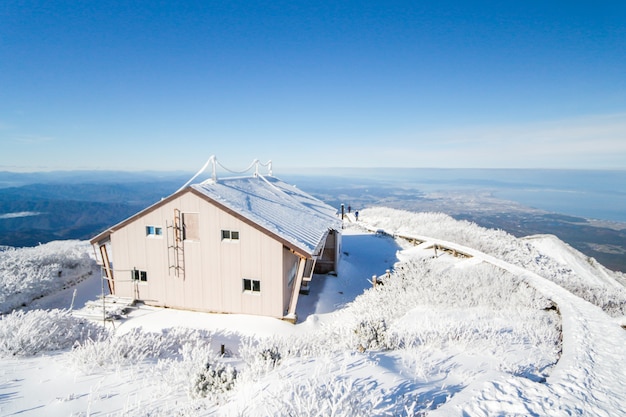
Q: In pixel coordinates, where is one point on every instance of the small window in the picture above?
(251, 285)
(154, 231)
(139, 275)
(230, 235)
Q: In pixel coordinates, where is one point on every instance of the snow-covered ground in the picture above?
(521, 327)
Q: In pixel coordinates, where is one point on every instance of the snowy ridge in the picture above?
(595, 283)
(595, 273)
(276, 206)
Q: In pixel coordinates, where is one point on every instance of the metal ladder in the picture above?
(175, 247)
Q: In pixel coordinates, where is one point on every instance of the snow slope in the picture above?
(595, 274)
(444, 336)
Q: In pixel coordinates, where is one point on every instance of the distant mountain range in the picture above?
(42, 207)
(74, 205)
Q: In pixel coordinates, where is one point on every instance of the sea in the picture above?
(591, 194)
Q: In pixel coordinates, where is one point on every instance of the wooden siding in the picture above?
(214, 269)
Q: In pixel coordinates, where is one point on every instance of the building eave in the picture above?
(301, 251)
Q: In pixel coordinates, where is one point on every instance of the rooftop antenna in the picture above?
(212, 160)
(213, 170)
(268, 164)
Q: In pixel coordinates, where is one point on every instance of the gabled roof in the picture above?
(293, 216)
(280, 208)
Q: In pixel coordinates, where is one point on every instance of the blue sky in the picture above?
(164, 85)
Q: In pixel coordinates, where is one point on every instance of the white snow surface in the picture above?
(444, 336)
(280, 208)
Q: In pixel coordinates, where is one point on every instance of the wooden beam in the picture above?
(295, 291)
(107, 267)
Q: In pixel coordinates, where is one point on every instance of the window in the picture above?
(191, 226)
(154, 231)
(251, 285)
(139, 275)
(230, 235)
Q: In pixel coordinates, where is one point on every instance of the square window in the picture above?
(230, 235)
(251, 285)
(139, 275)
(154, 231)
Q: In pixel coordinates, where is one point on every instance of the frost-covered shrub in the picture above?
(30, 273)
(371, 334)
(29, 333)
(271, 355)
(133, 347)
(420, 282)
(199, 371)
(263, 355)
(215, 379)
(426, 303)
(484, 331)
(330, 395)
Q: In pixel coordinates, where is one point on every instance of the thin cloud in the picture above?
(19, 214)
(586, 142)
(32, 139)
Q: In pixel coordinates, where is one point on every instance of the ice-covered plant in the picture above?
(130, 348)
(29, 333)
(199, 370)
(371, 334)
(215, 379)
(30, 273)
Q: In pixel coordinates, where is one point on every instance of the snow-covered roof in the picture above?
(280, 208)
